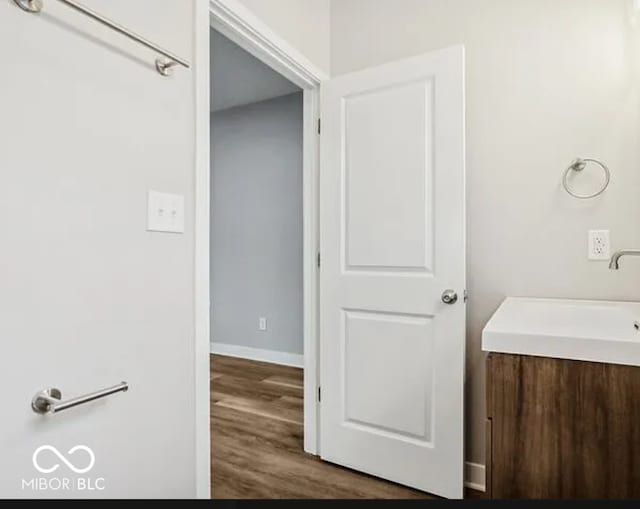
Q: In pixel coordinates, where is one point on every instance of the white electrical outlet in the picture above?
(262, 323)
(599, 245)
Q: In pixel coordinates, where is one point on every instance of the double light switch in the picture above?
(165, 212)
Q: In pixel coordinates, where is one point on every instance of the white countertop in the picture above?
(598, 331)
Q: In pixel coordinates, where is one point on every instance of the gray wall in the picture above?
(240, 78)
(547, 81)
(256, 224)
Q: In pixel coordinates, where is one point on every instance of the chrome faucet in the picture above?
(614, 264)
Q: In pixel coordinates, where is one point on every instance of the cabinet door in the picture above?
(563, 429)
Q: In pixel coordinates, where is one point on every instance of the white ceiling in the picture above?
(239, 78)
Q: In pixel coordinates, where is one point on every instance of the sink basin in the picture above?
(597, 331)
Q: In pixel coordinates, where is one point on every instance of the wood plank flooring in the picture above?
(257, 440)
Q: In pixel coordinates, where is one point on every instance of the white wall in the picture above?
(88, 297)
(256, 225)
(547, 80)
(302, 23)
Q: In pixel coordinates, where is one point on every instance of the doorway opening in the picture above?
(258, 280)
(259, 41)
(281, 63)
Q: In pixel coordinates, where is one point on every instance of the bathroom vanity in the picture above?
(563, 399)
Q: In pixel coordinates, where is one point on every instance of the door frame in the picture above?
(237, 23)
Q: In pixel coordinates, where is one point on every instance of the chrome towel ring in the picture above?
(578, 165)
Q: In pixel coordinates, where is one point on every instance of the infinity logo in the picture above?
(36, 454)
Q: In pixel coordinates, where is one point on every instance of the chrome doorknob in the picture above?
(449, 297)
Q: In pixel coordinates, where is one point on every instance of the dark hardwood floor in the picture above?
(257, 441)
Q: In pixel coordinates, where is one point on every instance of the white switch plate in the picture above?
(262, 323)
(599, 245)
(165, 212)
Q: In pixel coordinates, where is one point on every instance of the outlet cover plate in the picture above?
(599, 245)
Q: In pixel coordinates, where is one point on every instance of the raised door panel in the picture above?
(398, 371)
(387, 146)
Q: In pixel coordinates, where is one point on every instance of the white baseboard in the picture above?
(474, 476)
(257, 354)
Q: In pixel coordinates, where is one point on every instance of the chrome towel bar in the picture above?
(49, 401)
(163, 65)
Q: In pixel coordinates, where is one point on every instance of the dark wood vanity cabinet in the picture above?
(562, 429)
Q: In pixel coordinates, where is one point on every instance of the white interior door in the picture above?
(393, 240)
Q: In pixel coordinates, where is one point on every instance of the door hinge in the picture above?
(319, 394)
(318, 259)
(319, 126)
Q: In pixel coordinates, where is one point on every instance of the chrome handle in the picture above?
(49, 401)
(449, 297)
